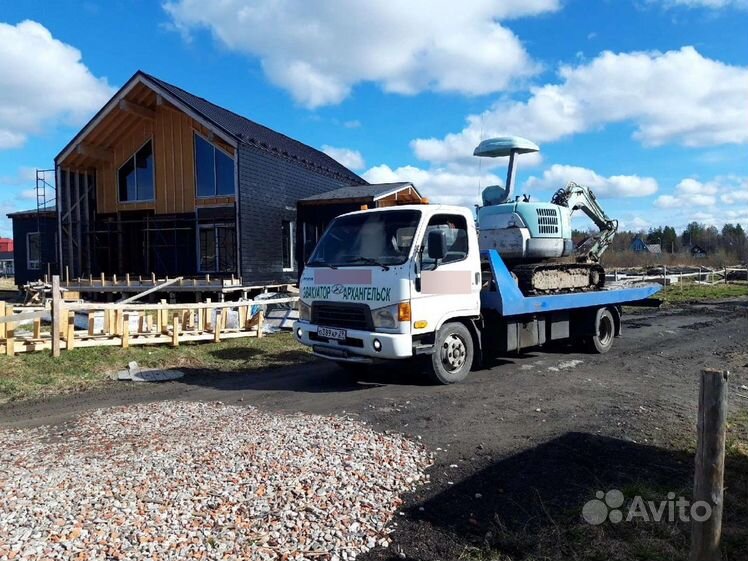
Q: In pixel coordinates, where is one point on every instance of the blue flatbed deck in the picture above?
(508, 300)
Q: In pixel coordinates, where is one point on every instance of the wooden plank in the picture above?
(260, 322)
(93, 152)
(149, 291)
(126, 331)
(708, 487)
(79, 306)
(37, 328)
(70, 338)
(10, 341)
(137, 109)
(91, 324)
(56, 315)
(15, 318)
(175, 331)
(2, 315)
(217, 328)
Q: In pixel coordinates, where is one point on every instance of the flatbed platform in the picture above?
(506, 298)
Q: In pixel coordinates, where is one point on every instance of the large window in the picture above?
(214, 169)
(136, 176)
(287, 233)
(217, 248)
(33, 251)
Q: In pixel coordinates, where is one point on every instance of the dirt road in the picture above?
(521, 440)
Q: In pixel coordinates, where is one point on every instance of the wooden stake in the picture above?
(10, 340)
(56, 315)
(260, 322)
(163, 319)
(37, 329)
(708, 484)
(125, 330)
(91, 324)
(217, 328)
(2, 313)
(175, 331)
(70, 338)
(243, 317)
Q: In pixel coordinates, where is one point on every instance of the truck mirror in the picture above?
(437, 244)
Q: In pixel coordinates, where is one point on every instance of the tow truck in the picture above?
(412, 281)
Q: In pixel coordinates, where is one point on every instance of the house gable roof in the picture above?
(231, 126)
(370, 192)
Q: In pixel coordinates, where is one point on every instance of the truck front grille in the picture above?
(337, 314)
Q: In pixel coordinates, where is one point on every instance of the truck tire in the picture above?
(453, 354)
(605, 329)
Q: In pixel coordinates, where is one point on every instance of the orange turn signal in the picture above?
(420, 324)
(403, 311)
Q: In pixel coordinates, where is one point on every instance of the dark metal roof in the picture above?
(249, 132)
(363, 192)
(32, 212)
(6, 255)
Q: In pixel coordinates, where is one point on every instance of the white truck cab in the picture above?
(393, 283)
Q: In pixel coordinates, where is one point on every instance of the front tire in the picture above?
(453, 354)
(605, 329)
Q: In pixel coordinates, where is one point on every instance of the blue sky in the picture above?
(644, 100)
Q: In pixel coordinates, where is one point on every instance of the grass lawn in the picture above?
(32, 374)
(691, 292)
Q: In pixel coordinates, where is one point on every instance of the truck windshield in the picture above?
(382, 238)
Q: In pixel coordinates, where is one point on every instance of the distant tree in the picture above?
(669, 240)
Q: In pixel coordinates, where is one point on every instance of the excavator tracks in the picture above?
(554, 278)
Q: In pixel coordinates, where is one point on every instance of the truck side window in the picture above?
(454, 227)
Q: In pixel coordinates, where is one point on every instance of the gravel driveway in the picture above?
(181, 480)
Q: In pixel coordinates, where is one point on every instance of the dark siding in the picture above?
(269, 188)
(23, 225)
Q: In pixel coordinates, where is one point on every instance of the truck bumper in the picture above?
(364, 347)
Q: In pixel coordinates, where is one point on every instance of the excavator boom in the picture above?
(581, 197)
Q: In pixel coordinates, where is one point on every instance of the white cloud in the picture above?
(42, 81)
(558, 176)
(319, 51)
(440, 186)
(692, 193)
(352, 159)
(678, 96)
(721, 200)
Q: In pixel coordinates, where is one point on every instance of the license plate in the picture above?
(331, 333)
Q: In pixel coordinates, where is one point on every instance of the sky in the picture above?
(645, 101)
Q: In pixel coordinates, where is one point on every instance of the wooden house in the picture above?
(163, 181)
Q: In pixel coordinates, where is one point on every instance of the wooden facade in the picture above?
(100, 232)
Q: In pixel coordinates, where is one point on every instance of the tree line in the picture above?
(730, 241)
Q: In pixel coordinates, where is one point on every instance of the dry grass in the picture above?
(33, 374)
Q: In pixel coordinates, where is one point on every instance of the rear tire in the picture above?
(453, 354)
(605, 329)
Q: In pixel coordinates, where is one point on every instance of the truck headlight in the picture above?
(305, 311)
(387, 316)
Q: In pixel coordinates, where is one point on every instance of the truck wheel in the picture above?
(453, 354)
(605, 327)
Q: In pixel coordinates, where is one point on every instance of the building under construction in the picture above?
(163, 182)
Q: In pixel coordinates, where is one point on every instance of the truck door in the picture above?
(450, 285)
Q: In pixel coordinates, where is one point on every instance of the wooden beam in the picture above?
(95, 152)
(139, 110)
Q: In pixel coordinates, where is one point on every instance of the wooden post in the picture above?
(243, 317)
(56, 315)
(103, 279)
(2, 314)
(70, 333)
(208, 316)
(37, 328)
(10, 340)
(217, 328)
(175, 331)
(260, 321)
(125, 330)
(91, 324)
(163, 319)
(725, 275)
(710, 465)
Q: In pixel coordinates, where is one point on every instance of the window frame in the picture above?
(29, 263)
(135, 170)
(215, 168)
(425, 239)
(214, 226)
(291, 244)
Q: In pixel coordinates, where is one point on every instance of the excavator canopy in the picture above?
(505, 146)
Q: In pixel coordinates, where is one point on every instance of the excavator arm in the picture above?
(576, 197)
